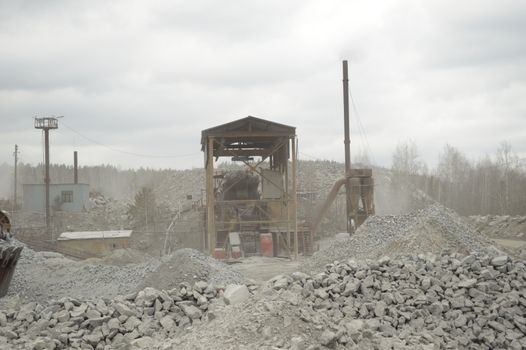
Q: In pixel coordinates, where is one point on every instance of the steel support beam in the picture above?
(210, 196)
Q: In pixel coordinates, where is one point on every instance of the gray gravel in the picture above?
(430, 229)
(501, 226)
(42, 276)
(415, 302)
(189, 265)
(123, 322)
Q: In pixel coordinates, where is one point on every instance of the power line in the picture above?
(127, 152)
(361, 128)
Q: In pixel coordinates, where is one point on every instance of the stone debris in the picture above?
(371, 290)
(508, 232)
(430, 229)
(426, 302)
(501, 226)
(235, 294)
(41, 276)
(101, 323)
(189, 265)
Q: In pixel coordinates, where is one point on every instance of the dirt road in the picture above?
(261, 269)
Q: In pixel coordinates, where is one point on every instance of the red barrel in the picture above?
(265, 244)
(219, 253)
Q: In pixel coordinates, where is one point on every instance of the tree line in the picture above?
(109, 180)
(494, 184)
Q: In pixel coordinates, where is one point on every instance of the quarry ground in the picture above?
(261, 269)
(427, 279)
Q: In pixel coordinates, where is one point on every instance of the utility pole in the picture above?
(46, 124)
(15, 153)
(347, 143)
(16, 180)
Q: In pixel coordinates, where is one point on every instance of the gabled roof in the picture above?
(249, 126)
(65, 236)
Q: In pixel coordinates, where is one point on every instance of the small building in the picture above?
(62, 197)
(93, 243)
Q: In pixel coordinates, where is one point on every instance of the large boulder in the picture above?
(235, 294)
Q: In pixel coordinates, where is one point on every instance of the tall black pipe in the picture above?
(347, 142)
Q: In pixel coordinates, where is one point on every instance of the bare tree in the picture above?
(406, 159)
(453, 166)
(507, 162)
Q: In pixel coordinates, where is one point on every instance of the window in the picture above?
(67, 196)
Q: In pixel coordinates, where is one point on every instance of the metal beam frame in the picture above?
(217, 146)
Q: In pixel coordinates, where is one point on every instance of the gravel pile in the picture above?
(189, 265)
(430, 229)
(121, 257)
(130, 321)
(41, 276)
(501, 226)
(415, 302)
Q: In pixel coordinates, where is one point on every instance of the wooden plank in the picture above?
(241, 152)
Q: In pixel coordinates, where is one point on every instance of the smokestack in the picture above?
(75, 168)
(347, 142)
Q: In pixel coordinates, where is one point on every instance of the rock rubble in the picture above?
(447, 301)
(189, 265)
(41, 276)
(430, 229)
(131, 320)
(501, 226)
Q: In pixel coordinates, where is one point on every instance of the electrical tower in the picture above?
(46, 124)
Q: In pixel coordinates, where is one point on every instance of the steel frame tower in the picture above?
(46, 124)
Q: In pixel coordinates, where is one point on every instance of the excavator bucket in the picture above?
(9, 256)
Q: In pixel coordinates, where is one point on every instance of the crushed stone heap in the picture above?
(189, 265)
(41, 276)
(431, 229)
(416, 302)
(501, 226)
(130, 321)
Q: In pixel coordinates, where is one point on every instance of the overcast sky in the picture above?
(145, 77)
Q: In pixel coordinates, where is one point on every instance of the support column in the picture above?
(46, 179)
(210, 196)
(287, 198)
(347, 143)
(75, 168)
(294, 198)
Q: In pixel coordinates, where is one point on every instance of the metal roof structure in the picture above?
(64, 236)
(247, 129)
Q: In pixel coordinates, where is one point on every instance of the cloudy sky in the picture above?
(136, 78)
